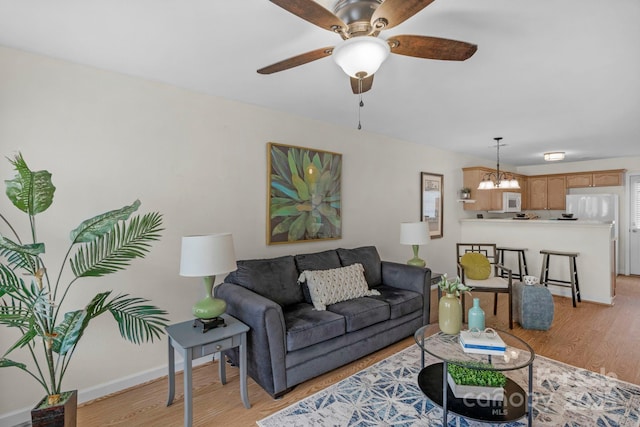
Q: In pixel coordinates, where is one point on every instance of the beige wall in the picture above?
(201, 161)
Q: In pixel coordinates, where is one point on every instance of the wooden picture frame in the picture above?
(304, 197)
(431, 192)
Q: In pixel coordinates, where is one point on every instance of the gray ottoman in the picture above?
(533, 306)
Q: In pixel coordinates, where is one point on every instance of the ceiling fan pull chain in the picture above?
(360, 104)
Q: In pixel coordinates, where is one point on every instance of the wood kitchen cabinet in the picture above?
(595, 179)
(539, 192)
(471, 178)
(556, 192)
(546, 192)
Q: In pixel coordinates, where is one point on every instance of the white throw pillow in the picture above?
(338, 284)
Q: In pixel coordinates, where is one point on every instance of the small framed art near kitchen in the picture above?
(431, 190)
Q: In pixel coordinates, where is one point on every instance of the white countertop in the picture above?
(577, 222)
(593, 240)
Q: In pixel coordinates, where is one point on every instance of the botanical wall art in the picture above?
(304, 199)
(431, 202)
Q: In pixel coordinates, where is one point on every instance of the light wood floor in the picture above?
(596, 337)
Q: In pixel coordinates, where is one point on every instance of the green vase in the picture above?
(450, 314)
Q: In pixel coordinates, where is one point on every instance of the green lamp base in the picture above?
(415, 260)
(209, 307)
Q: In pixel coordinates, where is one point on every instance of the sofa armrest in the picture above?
(266, 340)
(411, 278)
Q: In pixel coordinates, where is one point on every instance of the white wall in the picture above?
(201, 161)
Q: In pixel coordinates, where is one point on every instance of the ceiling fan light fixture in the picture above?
(554, 156)
(359, 55)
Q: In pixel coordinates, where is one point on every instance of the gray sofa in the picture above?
(291, 342)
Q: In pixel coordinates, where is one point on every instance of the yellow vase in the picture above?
(450, 314)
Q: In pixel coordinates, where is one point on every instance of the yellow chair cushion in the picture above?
(476, 266)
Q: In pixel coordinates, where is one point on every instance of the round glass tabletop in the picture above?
(517, 355)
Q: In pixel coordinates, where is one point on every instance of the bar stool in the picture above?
(573, 273)
(522, 262)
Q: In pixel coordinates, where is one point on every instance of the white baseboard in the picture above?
(22, 417)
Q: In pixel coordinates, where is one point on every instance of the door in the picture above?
(634, 224)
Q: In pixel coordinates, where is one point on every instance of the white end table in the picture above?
(192, 343)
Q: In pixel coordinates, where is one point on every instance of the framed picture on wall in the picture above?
(431, 191)
(304, 199)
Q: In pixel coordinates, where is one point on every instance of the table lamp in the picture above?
(415, 234)
(207, 256)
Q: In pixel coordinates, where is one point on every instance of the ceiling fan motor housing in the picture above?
(357, 15)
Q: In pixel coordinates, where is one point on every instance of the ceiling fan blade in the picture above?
(395, 12)
(313, 12)
(367, 82)
(431, 47)
(294, 61)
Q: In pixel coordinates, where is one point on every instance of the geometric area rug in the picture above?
(387, 394)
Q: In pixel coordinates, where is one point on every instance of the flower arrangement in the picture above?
(453, 286)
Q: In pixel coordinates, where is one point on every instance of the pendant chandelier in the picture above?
(498, 180)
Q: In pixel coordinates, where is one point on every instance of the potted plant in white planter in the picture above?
(465, 193)
(31, 294)
(469, 381)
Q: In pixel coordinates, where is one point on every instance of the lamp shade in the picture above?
(207, 255)
(414, 233)
(363, 54)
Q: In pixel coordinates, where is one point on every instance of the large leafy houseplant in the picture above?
(32, 295)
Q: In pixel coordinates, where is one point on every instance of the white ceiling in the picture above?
(548, 74)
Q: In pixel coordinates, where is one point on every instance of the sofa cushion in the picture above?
(361, 312)
(274, 278)
(325, 260)
(335, 285)
(369, 258)
(306, 326)
(401, 301)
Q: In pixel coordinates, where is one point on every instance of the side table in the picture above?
(435, 280)
(533, 306)
(432, 379)
(192, 343)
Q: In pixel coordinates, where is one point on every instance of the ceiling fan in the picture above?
(359, 22)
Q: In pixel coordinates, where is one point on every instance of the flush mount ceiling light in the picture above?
(497, 179)
(554, 156)
(361, 57)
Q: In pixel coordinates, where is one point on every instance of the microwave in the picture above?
(511, 202)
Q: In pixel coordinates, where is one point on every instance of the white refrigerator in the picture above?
(594, 207)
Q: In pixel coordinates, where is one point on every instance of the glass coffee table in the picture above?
(432, 379)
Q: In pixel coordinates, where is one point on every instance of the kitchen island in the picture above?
(595, 241)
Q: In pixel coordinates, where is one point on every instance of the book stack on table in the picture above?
(482, 343)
